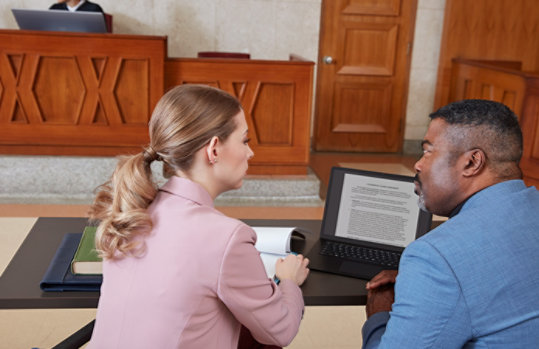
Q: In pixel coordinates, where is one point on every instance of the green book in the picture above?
(86, 260)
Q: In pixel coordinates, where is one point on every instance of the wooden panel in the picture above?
(530, 128)
(373, 7)
(501, 30)
(273, 121)
(92, 94)
(517, 90)
(371, 100)
(477, 80)
(131, 91)
(369, 49)
(76, 93)
(57, 79)
(276, 97)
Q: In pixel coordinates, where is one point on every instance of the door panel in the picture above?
(373, 7)
(369, 49)
(362, 87)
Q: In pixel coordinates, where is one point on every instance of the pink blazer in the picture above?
(200, 278)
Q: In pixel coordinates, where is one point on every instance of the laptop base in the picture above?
(335, 265)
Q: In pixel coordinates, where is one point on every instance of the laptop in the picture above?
(58, 20)
(369, 218)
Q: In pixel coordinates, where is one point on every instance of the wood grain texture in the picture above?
(93, 94)
(516, 89)
(530, 127)
(361, 92)
(276, 97)
(77, 93)
(501, 30)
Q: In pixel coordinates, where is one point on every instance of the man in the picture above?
(76, 5)
(473, 282)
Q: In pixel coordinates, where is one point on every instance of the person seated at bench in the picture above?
(76, 5)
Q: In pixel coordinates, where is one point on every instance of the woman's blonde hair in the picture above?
(183, 121)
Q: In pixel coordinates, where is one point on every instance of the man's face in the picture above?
(437, 177)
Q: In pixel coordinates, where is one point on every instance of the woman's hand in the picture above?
(293, 267)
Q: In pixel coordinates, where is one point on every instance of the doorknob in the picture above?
(327, 59)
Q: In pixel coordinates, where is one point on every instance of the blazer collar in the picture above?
(493, 193)
(187, 189)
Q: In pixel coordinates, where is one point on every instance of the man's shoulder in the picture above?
(445, 230)
(90, 6)
(58, 6)
(447, 238)
(489, 214)
(502, 193)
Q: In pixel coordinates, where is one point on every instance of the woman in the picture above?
(177, 272)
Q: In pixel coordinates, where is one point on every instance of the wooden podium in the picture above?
(77, 93)
(92, 94)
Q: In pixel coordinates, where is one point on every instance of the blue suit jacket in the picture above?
(471, 283)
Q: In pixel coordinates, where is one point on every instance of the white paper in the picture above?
(269, 261)
(273, 239)
(272, 243)
(377, 210)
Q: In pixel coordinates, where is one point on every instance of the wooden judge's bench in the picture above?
(92, 94)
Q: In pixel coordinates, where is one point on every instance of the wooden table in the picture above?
(19, 284)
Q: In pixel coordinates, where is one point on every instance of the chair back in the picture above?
(108, 22)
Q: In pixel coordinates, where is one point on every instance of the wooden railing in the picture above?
(93, 94)
(77, 94)
(276, 97)
(503, 82)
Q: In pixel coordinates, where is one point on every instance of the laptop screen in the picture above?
(373, 207)
(57, 20)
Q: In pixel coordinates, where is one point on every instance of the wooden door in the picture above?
(363, 70)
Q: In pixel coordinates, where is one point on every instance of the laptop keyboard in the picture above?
(361, 254)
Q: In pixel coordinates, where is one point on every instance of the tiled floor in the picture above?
(322, 327)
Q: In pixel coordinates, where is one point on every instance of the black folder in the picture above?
(59, 278)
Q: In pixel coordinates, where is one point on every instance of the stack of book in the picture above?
(76, 265)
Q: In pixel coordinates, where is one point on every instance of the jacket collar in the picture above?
(494, 192)
(187, 189)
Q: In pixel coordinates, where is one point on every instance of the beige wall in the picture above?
(267, 29)
(425, 54)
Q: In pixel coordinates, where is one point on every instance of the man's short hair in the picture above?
(484, 124)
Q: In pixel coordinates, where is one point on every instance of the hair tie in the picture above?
(150, 155)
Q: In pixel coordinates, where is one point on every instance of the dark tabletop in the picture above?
(19, 284)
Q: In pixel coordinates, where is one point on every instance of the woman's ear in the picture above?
(475, 161)
(211, 150)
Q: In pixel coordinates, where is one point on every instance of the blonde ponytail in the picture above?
(120, 206)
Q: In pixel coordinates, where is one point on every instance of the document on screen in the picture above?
(377, 210)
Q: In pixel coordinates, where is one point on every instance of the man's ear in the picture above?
(475, 161)
(211, 150)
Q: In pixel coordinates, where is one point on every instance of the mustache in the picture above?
(418, 181)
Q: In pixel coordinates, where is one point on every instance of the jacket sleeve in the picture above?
(272, 313)
(429, 309)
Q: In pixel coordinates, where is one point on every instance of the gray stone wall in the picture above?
(73, 179)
